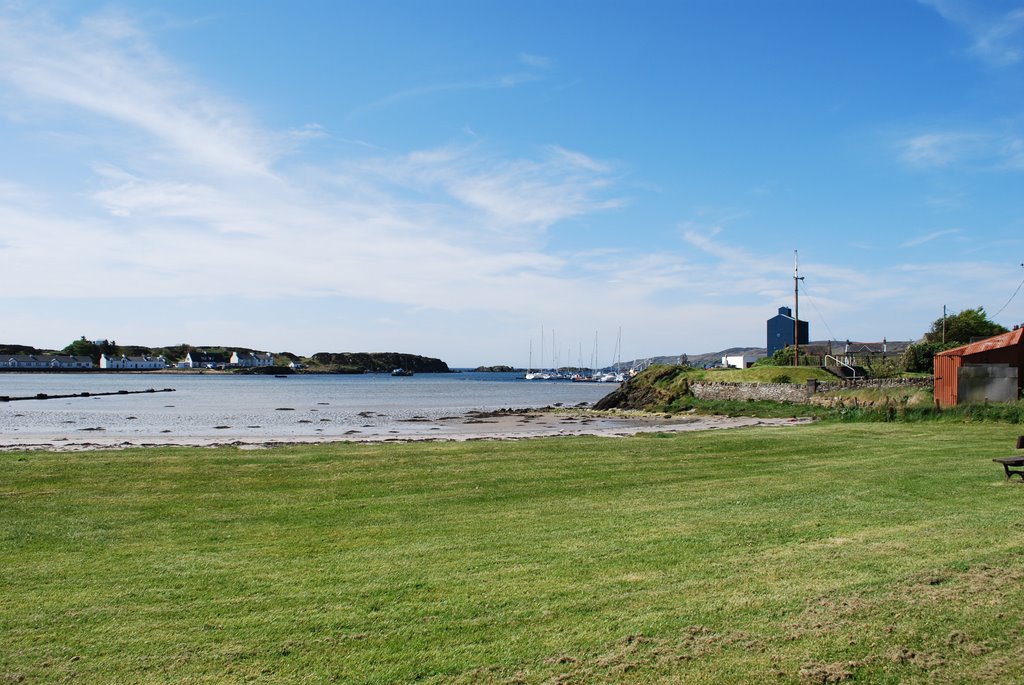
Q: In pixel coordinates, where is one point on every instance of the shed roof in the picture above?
(996, 342)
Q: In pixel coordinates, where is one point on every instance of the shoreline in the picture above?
(500, 425)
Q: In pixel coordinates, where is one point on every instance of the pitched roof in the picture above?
(202, 356)
(996, 342)
(48, 358)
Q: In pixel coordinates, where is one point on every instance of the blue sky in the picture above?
(445, 178)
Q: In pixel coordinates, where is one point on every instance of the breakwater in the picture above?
(45, 396)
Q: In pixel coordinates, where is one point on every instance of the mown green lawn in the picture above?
(883, 553)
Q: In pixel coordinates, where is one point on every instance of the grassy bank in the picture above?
(667, 389)
(851, 409)
(762, 374)
(868, 552)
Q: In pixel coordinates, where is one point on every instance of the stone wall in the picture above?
(775, 392)
(792, 392)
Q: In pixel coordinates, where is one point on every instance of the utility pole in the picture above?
(943, 324)
(796, 309)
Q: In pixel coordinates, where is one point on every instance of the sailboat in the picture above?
(617, 376)
(530, 375)
(593, 377)
(541, 375)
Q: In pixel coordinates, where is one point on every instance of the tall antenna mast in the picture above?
(796, 308)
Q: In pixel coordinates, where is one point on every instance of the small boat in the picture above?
(280, 375)
(532, 375)
(611, 377)
(401, 372)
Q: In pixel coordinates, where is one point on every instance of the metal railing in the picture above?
(840, 363)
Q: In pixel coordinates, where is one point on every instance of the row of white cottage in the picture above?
(193, 360)
(197, 359)
(45, 361)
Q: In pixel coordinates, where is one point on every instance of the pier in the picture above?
(44, 396)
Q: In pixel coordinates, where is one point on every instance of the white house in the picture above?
(197, 359)
(25, 361)
(252, 359)
(65, 361)
(738, 361)
(136, 363)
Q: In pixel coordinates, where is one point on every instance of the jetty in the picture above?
(44, 396)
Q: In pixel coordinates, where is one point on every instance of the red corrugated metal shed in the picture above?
(996, 342)
(1005, 348)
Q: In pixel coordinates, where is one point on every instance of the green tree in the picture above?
(83, 348)
(962, 328)
(87, 348)
(920, 357)
(784, 357)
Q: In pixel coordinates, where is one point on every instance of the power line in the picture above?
(808, 296)
(1011, 298)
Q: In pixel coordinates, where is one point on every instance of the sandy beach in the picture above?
(509, 424)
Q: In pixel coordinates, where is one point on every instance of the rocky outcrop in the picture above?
(376, 362)
(655, 387)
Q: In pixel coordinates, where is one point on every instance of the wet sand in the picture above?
(510, 424)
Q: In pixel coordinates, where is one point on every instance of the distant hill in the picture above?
(375, 362)
(19, 349)
(838, 347)
(698, 360)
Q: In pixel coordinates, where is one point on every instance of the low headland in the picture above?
(217, 359)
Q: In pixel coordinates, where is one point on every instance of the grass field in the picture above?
(882, 553)
(762, 374)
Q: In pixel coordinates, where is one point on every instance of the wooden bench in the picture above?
(1016, 462)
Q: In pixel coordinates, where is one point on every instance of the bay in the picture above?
(302, 405)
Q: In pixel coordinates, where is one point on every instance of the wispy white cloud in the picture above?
(535, 72)
(944, 201)
(841, 293)
(202, 205)
(997, 37)
(187, 196)
(533, 60)
(503, 193)
(977, 150)
(580, 160)
(938, 149)
(935, 235)
(309, 131)
(106, 67)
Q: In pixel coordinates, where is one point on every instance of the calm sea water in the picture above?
(300, 405)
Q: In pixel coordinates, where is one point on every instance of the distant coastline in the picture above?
(101, 356)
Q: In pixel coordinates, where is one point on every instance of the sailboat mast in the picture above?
(796, 309)
(618, 352)
(542, 347)
(554, 351)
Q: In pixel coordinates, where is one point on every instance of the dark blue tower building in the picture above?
(780, 331)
